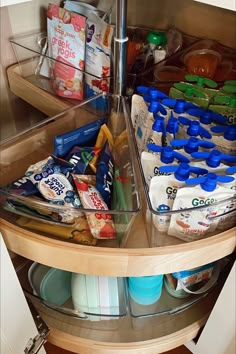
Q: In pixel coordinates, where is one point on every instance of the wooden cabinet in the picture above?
(156, 335)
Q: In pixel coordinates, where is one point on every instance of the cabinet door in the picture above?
(17, 324)
(226, 4)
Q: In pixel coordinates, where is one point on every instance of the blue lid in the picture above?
(179, 106)
(143, 89)
(159, 124)
(214, 158)
(229, 132)
(192, 144)
(167, 154)
(231, 170)
(182, 172)
(194, 128)
(209, 182)
(206, 116)
(156, 107)
(155, 94)
(172, 126)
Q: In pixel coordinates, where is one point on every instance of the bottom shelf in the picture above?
(148, 335)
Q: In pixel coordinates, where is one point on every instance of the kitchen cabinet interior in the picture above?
(140, 260)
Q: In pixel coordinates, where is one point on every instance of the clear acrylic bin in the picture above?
(37, 67)
(35, 144)
(84, 319)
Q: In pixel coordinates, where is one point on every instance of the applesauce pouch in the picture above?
(66, 45)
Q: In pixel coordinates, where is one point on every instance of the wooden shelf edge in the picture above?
(37, 97)
(116, 261)
(154, 346)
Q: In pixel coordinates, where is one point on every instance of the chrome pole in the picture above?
(120, 48)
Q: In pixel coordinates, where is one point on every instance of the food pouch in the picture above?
(81, 157)
(101, 224)
(98, 55)
(196, 224)
(66, 44)
(78, 233)
(105, 173)
(53, 183)
(83, 136)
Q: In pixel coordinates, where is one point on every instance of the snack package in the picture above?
(78, 233)
(66, 44)
(105, 174)
(98, 55)
(53, 183)
(101, 224)
(83, 136)
(81, 157)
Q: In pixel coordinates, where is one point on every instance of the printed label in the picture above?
(54, 187)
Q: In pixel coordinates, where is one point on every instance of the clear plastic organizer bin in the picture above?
(76, 295)
(174, 68)
(36, 144)
(43, 71)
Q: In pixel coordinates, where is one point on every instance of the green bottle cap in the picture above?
(157, 38)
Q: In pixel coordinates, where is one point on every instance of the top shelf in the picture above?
(106, 261)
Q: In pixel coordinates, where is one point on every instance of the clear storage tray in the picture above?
(35, 144)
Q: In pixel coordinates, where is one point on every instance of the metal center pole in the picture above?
(120, 48)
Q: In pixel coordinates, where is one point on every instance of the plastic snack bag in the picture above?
(98, 55)
(66, 44)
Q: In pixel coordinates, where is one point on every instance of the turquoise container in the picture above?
(145, 290)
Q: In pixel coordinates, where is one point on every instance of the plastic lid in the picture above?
(157, 38)
(229, 132)
(153, 107)
(192, 144)
(213, 158)
(167, 154)
(209, 182)
(207, 116)
(182, 172)
(194, 128)
(172, 126)
(159, 124)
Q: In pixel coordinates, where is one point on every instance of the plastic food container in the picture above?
(36, 144)
(203, 62)
(169, 73)
(68, 293)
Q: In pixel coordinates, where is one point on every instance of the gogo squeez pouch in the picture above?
(98, 55)
(195, 224)
(66, 44)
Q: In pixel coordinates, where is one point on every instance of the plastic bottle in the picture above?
(156, 51)
(163, 190)
(212, 160)
(151, 161)
(188, 146)
(190, 224)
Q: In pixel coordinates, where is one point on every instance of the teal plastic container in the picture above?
(145, 290)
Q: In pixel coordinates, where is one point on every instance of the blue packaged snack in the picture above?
(52, 181)
(81, 158)
(83, 136)
(22, 186)
(105, 173)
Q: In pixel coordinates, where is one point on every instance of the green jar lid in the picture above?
(157, 38)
